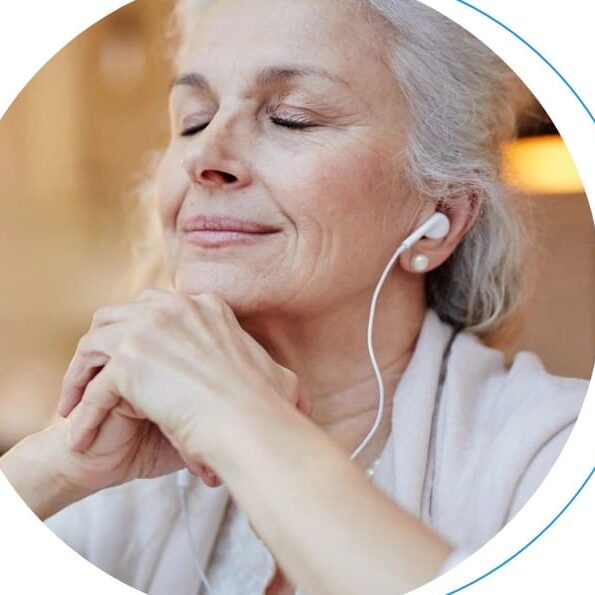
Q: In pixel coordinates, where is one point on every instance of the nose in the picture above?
(213, 158)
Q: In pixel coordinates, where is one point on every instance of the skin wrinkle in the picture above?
(305, 294)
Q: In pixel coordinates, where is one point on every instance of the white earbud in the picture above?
(435, 228)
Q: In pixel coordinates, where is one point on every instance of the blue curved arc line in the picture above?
(530, 542)
(576, 95)
(535, 51)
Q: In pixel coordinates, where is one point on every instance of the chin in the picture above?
(245, 300)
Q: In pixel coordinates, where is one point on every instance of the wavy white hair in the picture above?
(463, 103)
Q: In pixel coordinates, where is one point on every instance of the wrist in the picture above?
(245, 442)
(31, 468)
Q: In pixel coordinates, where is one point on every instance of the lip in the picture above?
(224, 223)
(209, 231)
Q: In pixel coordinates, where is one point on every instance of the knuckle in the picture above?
(150, 293)
(211, 300)
(127, 351)
(178, 304)
(161, 316)
(100, 316)
(172, 305)
(214, 303)
(165, 310)
(85, 345)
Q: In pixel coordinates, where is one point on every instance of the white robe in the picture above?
(463, 455)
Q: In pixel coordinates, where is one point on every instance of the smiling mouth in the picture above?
(210, 238)
(215, 231)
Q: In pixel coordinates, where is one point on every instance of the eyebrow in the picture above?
(273, 75)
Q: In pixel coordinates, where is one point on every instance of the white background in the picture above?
(32, 560)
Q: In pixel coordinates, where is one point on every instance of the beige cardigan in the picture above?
(464, 455)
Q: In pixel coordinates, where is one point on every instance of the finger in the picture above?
(170, 302)
(93, 353)
(112, 313)
(202, 470)
(99, 399)
(213, 481)
(153, 294)
(97, 346)
(74, 387)
(208, 476)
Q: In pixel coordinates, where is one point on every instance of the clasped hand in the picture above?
(157, 384)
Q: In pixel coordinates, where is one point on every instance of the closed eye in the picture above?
(294, 124)
(194, 129)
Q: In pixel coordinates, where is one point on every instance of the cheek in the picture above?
(344, 192)
(171, 187)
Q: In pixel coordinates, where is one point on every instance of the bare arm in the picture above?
(49, 475)
(330, 530)
(29, 467)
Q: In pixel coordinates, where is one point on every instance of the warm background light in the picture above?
(541, 165)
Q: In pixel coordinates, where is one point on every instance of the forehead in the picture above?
(237, 39)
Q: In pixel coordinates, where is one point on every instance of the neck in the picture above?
(328, 352)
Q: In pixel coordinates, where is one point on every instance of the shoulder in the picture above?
(500, 431)
(500, 400)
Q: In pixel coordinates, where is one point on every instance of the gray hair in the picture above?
(463, 103)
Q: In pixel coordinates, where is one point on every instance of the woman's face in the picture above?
(251, 73)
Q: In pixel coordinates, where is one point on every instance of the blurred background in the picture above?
(76, 144)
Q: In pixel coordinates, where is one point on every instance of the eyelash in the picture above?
(285, 123)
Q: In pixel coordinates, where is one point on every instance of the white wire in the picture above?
(377, 291)
(191, 539)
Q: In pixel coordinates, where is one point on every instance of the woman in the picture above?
(309, 138)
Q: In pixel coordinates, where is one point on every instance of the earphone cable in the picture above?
(186, 515)
(370, 341)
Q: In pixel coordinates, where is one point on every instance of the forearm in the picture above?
(29, 469)
(330, 530)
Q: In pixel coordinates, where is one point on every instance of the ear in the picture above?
(462, 212)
